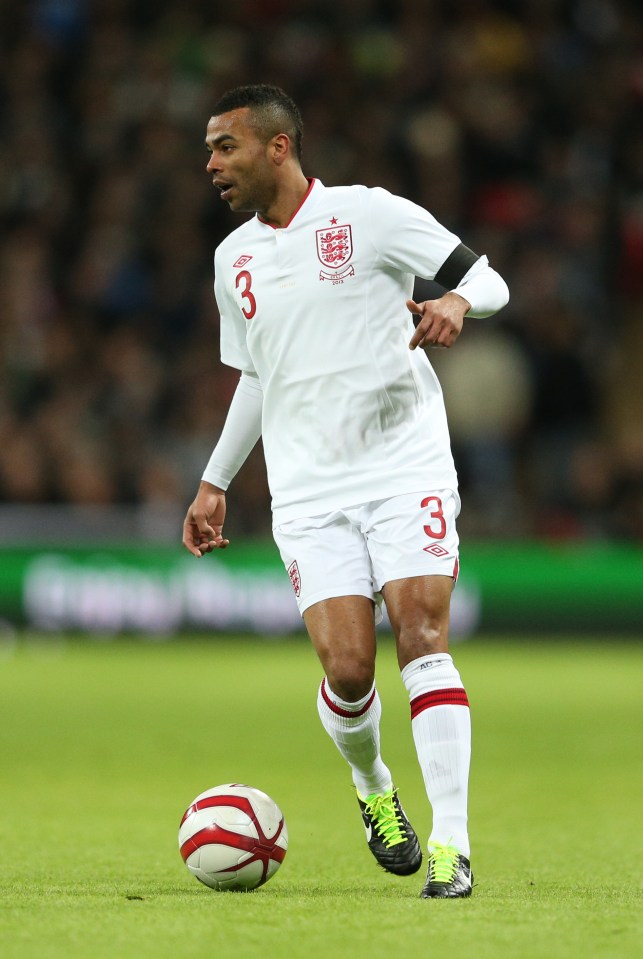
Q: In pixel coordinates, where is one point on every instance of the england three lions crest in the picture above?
(334, 249)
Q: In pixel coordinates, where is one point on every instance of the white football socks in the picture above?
(442, 732)
(355, 730)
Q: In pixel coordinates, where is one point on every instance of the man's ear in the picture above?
(280, 148)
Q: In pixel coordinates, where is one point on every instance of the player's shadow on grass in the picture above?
(298, 890)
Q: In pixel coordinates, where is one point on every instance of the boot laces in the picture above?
(443, 862)
(385, 818)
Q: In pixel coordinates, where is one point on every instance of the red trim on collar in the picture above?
(311, 183)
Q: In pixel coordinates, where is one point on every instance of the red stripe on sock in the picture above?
(346, 713)
(439, 697)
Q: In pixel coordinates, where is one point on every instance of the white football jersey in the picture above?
(317, 310)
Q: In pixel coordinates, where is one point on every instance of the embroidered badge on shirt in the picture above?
(334, 249)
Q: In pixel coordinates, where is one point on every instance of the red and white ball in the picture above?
(233, 837)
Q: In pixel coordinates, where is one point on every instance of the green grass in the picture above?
(103, 745)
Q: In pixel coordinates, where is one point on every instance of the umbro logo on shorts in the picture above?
(436, 550)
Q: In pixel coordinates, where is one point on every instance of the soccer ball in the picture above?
(233, 837)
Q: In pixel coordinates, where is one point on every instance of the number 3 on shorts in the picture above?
(438, 527)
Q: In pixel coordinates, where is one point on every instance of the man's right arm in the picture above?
(203, 525)
(239, 435)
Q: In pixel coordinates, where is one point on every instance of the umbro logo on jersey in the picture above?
(241, 261)
(436, 550)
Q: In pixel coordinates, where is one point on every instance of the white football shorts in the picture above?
(356, 551)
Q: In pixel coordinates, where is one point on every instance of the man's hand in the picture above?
(203, 525)
(441, 320)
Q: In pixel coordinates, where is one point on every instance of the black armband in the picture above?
(456, 265)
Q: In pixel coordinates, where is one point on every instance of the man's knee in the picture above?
(421, 637)
(350, 678)
(342, 631)
(419, 613)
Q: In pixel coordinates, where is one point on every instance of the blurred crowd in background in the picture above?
(518, 124)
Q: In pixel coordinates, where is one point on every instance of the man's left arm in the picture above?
(477, 290)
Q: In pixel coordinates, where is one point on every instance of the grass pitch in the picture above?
(103, 746)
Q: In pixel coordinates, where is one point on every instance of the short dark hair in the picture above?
(273, 111)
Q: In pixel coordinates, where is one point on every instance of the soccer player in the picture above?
(314, 293)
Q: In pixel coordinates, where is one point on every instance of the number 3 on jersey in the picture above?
(244, 281)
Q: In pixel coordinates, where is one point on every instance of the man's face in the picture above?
(239, 162)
